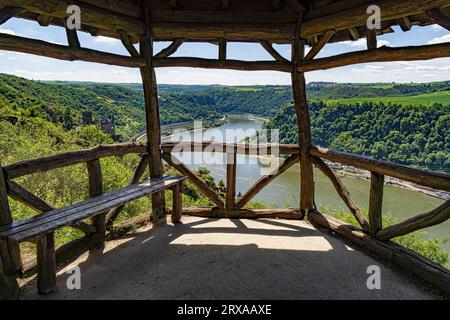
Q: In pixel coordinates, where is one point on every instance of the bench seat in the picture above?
(28, 229)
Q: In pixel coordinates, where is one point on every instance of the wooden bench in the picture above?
(41, 228)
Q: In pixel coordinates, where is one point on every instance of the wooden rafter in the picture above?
(319, 45)
(9, 12)
(439, 17)
(371, 38)
(128, 44)
(274, 53)
(405, 24)
(382, 54)
(44, 20)
(171, 49)
(72, 38)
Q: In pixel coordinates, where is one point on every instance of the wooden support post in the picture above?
(9, 288)
(177, 206)
(46, 263)
(371, 35)
(72, 38)
(304, 127)
(231, 181)
(152, 115)
(13, 250)
(96, 189)
(375, 203)
(222, 50)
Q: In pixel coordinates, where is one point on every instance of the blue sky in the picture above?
(40, 68)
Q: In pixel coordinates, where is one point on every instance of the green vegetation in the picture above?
(416, 241)
(411, 135)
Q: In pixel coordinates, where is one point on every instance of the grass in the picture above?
(427, 99)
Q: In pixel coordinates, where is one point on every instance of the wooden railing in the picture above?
(232, 206)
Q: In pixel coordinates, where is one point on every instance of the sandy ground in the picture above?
(229, 259)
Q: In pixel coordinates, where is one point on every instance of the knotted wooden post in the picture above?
(304, 127)
(152, 114)
(95, 189)
(9, 252)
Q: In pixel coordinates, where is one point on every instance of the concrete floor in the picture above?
(229, 259)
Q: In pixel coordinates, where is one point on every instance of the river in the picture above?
(284, 191)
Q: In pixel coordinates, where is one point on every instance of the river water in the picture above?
(283, 192)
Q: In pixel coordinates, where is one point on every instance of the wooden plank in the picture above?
(424, 178)
(407, 260)
(171, 49)
(208, 212)
(439, 17)
(383, 54)
(27, 198)
(90, 207)
(320, 44)
(199, 183)
(7, 13)
(343, 193)
(12, 259)
(274, 53)
(424, 220)
(137, 174)
(26, 167)
(375, 203)
(56, 51)
(227, 64)
(371, 37)
(239, 148)
(304, 127)
(265, 180)
(96, 189)
(46, 263)
(231, 181)
(177, 206)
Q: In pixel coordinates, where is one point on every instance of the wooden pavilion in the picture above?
(315, 23)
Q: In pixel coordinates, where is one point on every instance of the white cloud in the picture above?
(8, 31)
(362, 43)
(443, 39)
(437, 27)
(105, 40)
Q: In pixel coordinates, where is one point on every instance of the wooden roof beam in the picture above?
(171, 49)
(72, 38)
(296, 5)
(353, 33)
(274, 53)
(405, 24)
(44, 20)
(128, 44)
(439, 17)
(9, 12)
(51, 50)
(383, 54)
(320, 44)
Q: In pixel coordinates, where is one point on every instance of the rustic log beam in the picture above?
(303, 124)
(9, 12)
(371, 38)
(239, 148)
(46, 263)
(274, 53)
(56, 51)
(171, 49)
(424, 220)
(152, 117)
(405, 24)
(137, 174)
(390, 252)
(343, 192)
(231, 182)
(208, 212)
(320, 44)
(439, 17)
(383, 54)
(430, 179)
(376, 203)
(72, 38)
(96, 189)
(353, 33)
(26, 167)
(27, 198)
(227, 64)
(265, 180)
(91, 16)
(128, 44)
(199, 183)
(222, 50)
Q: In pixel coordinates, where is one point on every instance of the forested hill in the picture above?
(411, 135)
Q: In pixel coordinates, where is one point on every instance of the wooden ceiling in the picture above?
(274, 21)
